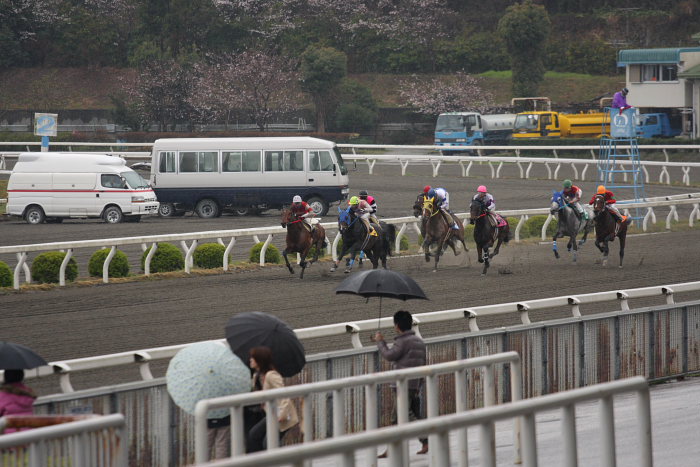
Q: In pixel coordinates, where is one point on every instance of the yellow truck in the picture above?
(549, 124)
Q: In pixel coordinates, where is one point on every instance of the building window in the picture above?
(656, 73)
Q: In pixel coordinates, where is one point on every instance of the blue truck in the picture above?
(472, 129)
(656, 125)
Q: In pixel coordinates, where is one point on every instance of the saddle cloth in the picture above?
(500, 221)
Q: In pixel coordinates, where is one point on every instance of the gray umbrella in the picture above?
(18, 357)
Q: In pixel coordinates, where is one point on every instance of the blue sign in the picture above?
(623, 124)
(45, 124)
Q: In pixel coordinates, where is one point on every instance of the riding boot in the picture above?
(370, 230)
(374, 220)
(455, 221)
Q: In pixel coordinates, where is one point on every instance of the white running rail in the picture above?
(352, 329)
(369, 383)
(440, 428)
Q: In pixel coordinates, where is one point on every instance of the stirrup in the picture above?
(373, 232)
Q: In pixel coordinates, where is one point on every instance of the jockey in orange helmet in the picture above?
(609, 203)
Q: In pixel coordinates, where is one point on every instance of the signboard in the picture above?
(623, 125)
(45, 124)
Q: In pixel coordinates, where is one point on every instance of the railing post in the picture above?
(62, 269)
(568, 423)
(149, 257)
(371, 418)
(227, 253)
(644, 427)
(263, 250)
(488, 434)
(105, 265)
(461, 406)
(529, 438)
(21, 258)
(607, 432)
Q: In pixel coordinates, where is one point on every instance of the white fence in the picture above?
(369, 383)
(92, 441)
(352, 329)
(439, 429)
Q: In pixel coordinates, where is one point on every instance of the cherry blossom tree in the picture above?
(434, 96)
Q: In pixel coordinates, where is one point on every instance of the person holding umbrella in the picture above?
(267, 377)
(408, 351)
(15, 397)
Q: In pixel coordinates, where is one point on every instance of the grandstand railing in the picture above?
(440, 428)
(21, 251)
(77, 441)
(144, 357)
(658, 343)
(369, 384)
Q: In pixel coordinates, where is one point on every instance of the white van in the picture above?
(208, 175)
(52, 186)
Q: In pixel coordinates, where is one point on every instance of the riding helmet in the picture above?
(482, 189)
(296, 199)
(567, 183)
(363, 193)
(430, 193)
(426, 188)
(601, 189)
(354, 200)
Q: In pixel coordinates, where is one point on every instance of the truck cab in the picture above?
(459, 129)
(537, 125)
(655, 125)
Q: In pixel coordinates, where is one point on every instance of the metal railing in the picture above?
(369, 384)
(144, 357)
(440, 428)
(84, 441)
(21, 251)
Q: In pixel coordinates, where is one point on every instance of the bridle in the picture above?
(429, 206)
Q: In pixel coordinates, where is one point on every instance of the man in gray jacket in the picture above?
(408, 351)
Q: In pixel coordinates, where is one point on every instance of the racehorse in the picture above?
(486, 234)
(300, 240)
(569, 225)
(355, 240)
(439, 231)
(607, 228)
(418, 205)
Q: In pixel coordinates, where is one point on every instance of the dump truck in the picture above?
(472, 129)
(560, 125)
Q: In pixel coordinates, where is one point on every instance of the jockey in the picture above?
(609, 203)
(362, 209)
(486, 198)
(426, 189)
(442, 201)
(572, 196)
(302, 211)
(372, 204)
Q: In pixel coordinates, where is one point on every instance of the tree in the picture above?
(355, 108)
(525, 28)
(434, 96)
(322, 69)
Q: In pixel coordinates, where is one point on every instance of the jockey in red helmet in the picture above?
(303, 211)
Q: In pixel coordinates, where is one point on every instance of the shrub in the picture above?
(209, 255)
(5, 275)
(312, 251)
(272, 255)
(167, 258)
(403, 243)
(47, 266)
(533, 227)
(469, 233)
(118, 267)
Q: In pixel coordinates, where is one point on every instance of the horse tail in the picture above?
(389, 236)
(509, 234)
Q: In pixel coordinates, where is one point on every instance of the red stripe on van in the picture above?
(79, 191)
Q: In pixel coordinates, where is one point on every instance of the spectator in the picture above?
(15, 397)
(219, 434)
(269, 378)
(408, 351)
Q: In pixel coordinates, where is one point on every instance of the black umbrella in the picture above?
(247, 330)
(381, 283)
(18, 357)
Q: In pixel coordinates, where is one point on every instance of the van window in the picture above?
(320, 161)
(167, 162)
(284, 161)
(112, 181)
(240, 161)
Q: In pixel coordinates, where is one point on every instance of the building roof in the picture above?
(641, 56)
(691, 73)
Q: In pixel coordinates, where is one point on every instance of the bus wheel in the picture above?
(35, 215)
(319, 206)
(207, 209)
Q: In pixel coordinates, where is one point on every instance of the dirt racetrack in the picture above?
(77, 322)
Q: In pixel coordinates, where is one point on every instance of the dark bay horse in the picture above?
(607, 228)
(300, 240)
(355, 240)
(439, 232)
(485, 234)
(569, 225)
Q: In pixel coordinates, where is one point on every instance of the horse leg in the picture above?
(485, 261)
(343, 252)
(623, 239)
(606, 250)
(351, 261)
(554, 245)
(286, 260)
(438, 253)
(479, 254)
(572, 243)
(426, 250)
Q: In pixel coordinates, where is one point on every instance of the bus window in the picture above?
(231, 161)
(209, 161)
(188, 162)
(341, 162)
(240, 161)
(167, 162)
(320, 161)
(284, 161)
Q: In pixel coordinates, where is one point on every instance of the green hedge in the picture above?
(533, 227)
(272, 255)
(5, 275)
(167, 258)
(403, 244)
(118, 267)
(209, 256)
(46, 267)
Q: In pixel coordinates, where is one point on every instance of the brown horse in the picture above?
(300, 240)
(607, 228)
(439, 231)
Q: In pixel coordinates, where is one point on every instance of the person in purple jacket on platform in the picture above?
(15, 397)
(620, 100)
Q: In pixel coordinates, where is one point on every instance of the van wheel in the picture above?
(166, 210)
(207, 209)
(35, 215)
(113, 215)
(319, 206)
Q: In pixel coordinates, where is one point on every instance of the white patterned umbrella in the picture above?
(203, 371)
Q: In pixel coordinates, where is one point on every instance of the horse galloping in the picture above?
(355, 240)
(437, 230)
(300, 240)
(569, 224)
(485, 234)
(607, 228)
